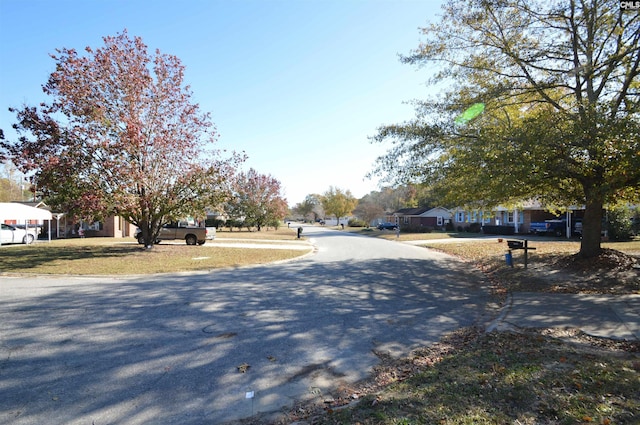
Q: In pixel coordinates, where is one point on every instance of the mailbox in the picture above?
(523, 245)
(515, 244)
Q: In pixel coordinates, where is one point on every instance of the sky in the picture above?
(299, 85)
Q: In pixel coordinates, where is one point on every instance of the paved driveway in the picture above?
(167, 349)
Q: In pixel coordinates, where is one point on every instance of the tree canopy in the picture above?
(310, 206)
(337, 202)
(121, 136)
(558, 81)
(256, 200)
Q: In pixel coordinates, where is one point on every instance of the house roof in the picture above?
(18, 211)
(37, 204)
(418, 211)
(412, 211)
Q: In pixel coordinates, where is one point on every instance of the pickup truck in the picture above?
(174, 231)
(12, 234)
(549, 227)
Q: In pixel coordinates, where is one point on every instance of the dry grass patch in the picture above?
(98, 256)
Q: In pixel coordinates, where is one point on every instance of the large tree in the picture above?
(310, 206)
(368, 209)
(120, 136)
(257, 199)
(337, 202)
(559, 84)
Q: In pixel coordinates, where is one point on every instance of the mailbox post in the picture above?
(524, 245)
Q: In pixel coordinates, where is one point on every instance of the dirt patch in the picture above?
(612, 272)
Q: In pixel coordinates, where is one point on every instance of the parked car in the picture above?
(174, 230)
(387, 226)
(12, 234)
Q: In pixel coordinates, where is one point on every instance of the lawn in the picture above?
(110, 256)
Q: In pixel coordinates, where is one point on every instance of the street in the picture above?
(210, 347)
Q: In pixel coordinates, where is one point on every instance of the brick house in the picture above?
(431, 217)
(511, 220)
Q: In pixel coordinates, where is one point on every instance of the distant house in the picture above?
(433, 217)
(112, 226)
(503, 220)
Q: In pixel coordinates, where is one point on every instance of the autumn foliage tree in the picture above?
(559, 82)
(121, 136)
(257, 200)
(337, 202)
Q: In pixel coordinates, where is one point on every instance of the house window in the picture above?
(511, 220)
(439, 221)
(406, 220)
(460, 217)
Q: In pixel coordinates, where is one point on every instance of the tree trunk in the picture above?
(147, 233)
(591, 228)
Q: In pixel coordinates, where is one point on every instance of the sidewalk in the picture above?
(608, 316)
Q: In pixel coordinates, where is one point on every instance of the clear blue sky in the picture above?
(297, 84)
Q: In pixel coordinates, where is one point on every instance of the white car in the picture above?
(11, 234)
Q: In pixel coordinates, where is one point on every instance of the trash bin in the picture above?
(509, 258)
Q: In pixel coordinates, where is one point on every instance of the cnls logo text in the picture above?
(630, 5)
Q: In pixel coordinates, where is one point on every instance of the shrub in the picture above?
(475, 228)
(356, 222)
(214, 222)
(275, 223)
(234, 223)
(416, 229)
(619, 223)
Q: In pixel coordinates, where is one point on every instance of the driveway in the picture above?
(193, 348)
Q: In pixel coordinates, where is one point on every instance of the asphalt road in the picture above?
(190, 349)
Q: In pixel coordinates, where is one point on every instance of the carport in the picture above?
(17, 211)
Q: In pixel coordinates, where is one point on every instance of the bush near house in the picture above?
(356, 222)
(416, 229)
(620, 224)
